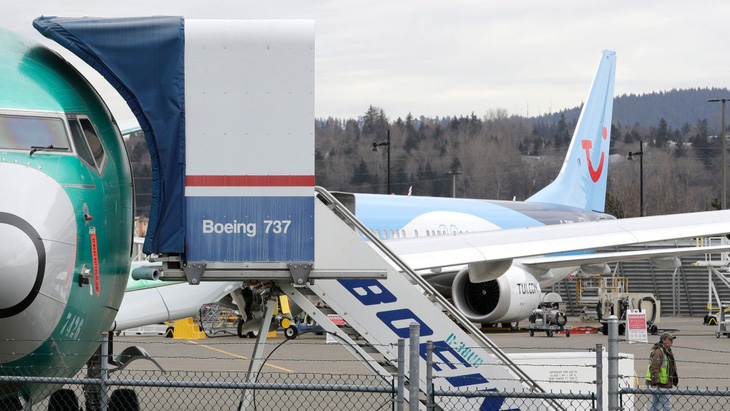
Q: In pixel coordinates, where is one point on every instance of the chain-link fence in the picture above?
(675, 399)
(311, 374)
(188, 390)
(525, 401)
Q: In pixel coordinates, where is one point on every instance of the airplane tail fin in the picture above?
(582, 179)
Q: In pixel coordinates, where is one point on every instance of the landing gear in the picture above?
(512, 326)
(239, 326)
(63, 400)
(242, 334)
(123, 399)
(242, 321)
(11, 403)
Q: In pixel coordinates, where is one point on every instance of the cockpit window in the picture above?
(94, 143)
(87, 142)
(23, 132)
(80, 142)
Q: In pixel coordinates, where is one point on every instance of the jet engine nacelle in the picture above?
(511, 297)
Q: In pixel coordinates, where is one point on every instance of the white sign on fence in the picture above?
(636, 326)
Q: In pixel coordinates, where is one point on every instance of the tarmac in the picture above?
(702, 358)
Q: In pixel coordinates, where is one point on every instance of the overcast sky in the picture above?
(440, 58)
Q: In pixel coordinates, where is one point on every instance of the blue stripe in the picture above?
(258, 229)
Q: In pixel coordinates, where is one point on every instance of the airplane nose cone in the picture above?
(23, 264)
(38, 241)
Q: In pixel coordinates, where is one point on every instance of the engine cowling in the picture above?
(511, 297)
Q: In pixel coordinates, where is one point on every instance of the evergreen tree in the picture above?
(614, 206)
(706, 149)
(362, 179)
(375, 123)
(662, 134)
(615, 134)
(562, 136)
(455, 165)
(412, 137)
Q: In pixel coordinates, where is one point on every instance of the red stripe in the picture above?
(249, 181)
(94, 258)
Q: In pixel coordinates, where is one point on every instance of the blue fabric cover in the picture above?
(143, 58)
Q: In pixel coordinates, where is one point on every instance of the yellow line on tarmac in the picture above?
(238, 356)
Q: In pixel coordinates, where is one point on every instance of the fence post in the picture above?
(599, 377)
(429, 376)
(400, 398)
(414, 357)
(613, 363)
(104, 368)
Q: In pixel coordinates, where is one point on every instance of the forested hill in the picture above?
(676, 107)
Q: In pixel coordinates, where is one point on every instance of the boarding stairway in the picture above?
(368, 337)
(377, 309)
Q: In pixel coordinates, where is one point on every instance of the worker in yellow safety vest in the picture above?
(662, 371)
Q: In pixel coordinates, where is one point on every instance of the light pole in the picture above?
(386, 144)
(723, 203)
(453, 174)
(640, 154)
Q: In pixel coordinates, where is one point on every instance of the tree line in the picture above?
(498, 156)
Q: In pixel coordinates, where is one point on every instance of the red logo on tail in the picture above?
(587, 145)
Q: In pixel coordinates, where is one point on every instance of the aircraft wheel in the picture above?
(170, 332)
(291, 332)
(63, 400)
(532, 333)
(123, 399)
(512, 326)
(238, 329)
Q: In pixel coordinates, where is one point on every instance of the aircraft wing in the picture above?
(550, 262)
(505, 245)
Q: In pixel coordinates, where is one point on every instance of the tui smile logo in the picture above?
(587, 145)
